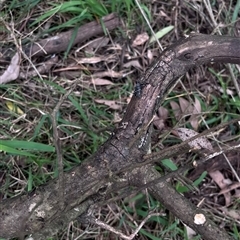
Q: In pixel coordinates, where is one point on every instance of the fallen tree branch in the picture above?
(38, 212)
(61, 41)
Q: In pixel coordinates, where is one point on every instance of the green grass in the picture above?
(71, 13)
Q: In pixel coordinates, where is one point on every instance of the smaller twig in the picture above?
(210, 12)
(178, 173)
(120, 234)
(57, 143)
(176, 149)
(43, 68)
(222, 151)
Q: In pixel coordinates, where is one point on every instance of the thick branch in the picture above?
(31, 213)
(177, 203)
(61, 42)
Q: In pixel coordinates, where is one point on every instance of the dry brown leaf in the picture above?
(194, 122)
(197, 105)
(110, 103)
(101, 82)
(185, 106)
(158, 123)
(12, 72)
(14, 108)
(92, 60)
(219, 179)
(160, 118)
(199, 143)
(109, 73)
(163, 113)
(140, 39)
(194, 119)
(176, 110)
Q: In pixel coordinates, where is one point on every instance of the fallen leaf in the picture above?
(201, 142)
(109, 73)
(194, 119)
(92, 60)
(158, 123)
(185, 106)
(110, 103)
(140, 39)
(176, 110)
(162, 113)
(160, 118)
(218, 178)
(12, 72)
(101, 82)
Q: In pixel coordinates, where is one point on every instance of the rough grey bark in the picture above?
(38, 212)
